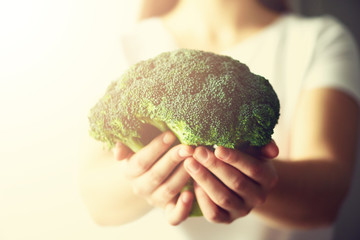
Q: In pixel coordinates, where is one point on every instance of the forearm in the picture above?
(322, 151)
(309, 193)
(108, 194)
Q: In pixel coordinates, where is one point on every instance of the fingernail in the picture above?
(183, 152)
(168, 138)
(222, 153)
(201, 154)
(193, 166)
(186, 198)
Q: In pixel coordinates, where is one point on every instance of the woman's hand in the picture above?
(230, 183)
(157, 174)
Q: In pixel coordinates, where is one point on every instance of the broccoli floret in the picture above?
(204, 98)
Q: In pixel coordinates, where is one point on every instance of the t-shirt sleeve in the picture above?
(335, 62)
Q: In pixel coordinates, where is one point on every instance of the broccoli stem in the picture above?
(135, 144)
(162, 126)
(195, 209)
(148, 131)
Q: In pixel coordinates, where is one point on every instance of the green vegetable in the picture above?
(204, 98)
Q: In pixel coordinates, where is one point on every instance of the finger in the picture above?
(209, 209)
(178, 211)
(166, 164)
(168, 189)
(121, 151)
(216, 190)
(148, 155)
(243, 186)
(261, 171)
(270, 150)
(160, 171)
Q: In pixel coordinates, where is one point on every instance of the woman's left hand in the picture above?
(229, 183)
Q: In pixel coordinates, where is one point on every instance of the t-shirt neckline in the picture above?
(253, 38)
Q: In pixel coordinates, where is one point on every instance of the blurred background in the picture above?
(56, 58)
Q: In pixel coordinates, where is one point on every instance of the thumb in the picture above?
(121, 151)
(270, 150)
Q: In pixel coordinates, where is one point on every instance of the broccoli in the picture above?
(204, 98)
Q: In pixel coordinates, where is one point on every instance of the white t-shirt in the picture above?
(294, 53)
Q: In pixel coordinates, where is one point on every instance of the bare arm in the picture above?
(316, 177)
(105, 190)
(311, 183)
(121, 188)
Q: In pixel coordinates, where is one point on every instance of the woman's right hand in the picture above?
(157, 174)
